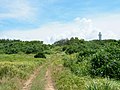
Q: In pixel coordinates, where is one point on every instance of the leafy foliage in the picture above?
(95, 58)
(106, 64)
(17, 46)
(40, 55)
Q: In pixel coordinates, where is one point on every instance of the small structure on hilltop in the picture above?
(100, 36)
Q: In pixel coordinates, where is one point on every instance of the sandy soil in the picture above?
(49, 83)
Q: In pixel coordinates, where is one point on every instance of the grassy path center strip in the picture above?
(28, 83)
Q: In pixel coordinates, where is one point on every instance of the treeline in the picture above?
(8, 46)
(94, 58)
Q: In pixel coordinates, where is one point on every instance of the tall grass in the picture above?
(102, 84)
(16, 68)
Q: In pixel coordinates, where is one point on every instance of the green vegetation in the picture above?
(16, 68)
(75, 64)
(39, 82)
(40, 55)
(102, 84)
(88, 65)
(17, 46)
(101, 60)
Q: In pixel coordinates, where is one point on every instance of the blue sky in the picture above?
(24, 17)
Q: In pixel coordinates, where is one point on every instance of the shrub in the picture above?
(78, 68)
(10, 51)
(40, 55)
(103, 64)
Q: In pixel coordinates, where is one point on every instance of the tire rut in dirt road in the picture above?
(28, 83)
(49, 83)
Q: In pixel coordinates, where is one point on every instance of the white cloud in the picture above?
(81, 28)
(51, 32)
(109, 24)
(17, 9)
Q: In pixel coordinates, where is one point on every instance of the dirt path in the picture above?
(28, 83)
(49, 84)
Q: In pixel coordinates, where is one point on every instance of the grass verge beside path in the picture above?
(64, 79)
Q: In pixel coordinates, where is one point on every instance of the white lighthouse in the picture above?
(100, 36)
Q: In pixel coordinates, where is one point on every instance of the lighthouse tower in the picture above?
(100, 36)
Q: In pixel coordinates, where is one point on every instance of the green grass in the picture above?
(16, 68)
(102, 84)
(66, 80)
(10, 84)
(39, 82)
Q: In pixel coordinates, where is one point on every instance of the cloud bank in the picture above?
(54, 31)
(80, 27)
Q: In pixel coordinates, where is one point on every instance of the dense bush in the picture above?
(105, 65)
(40, 55)
(80, 68)
(17, 46)
(98, 58)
